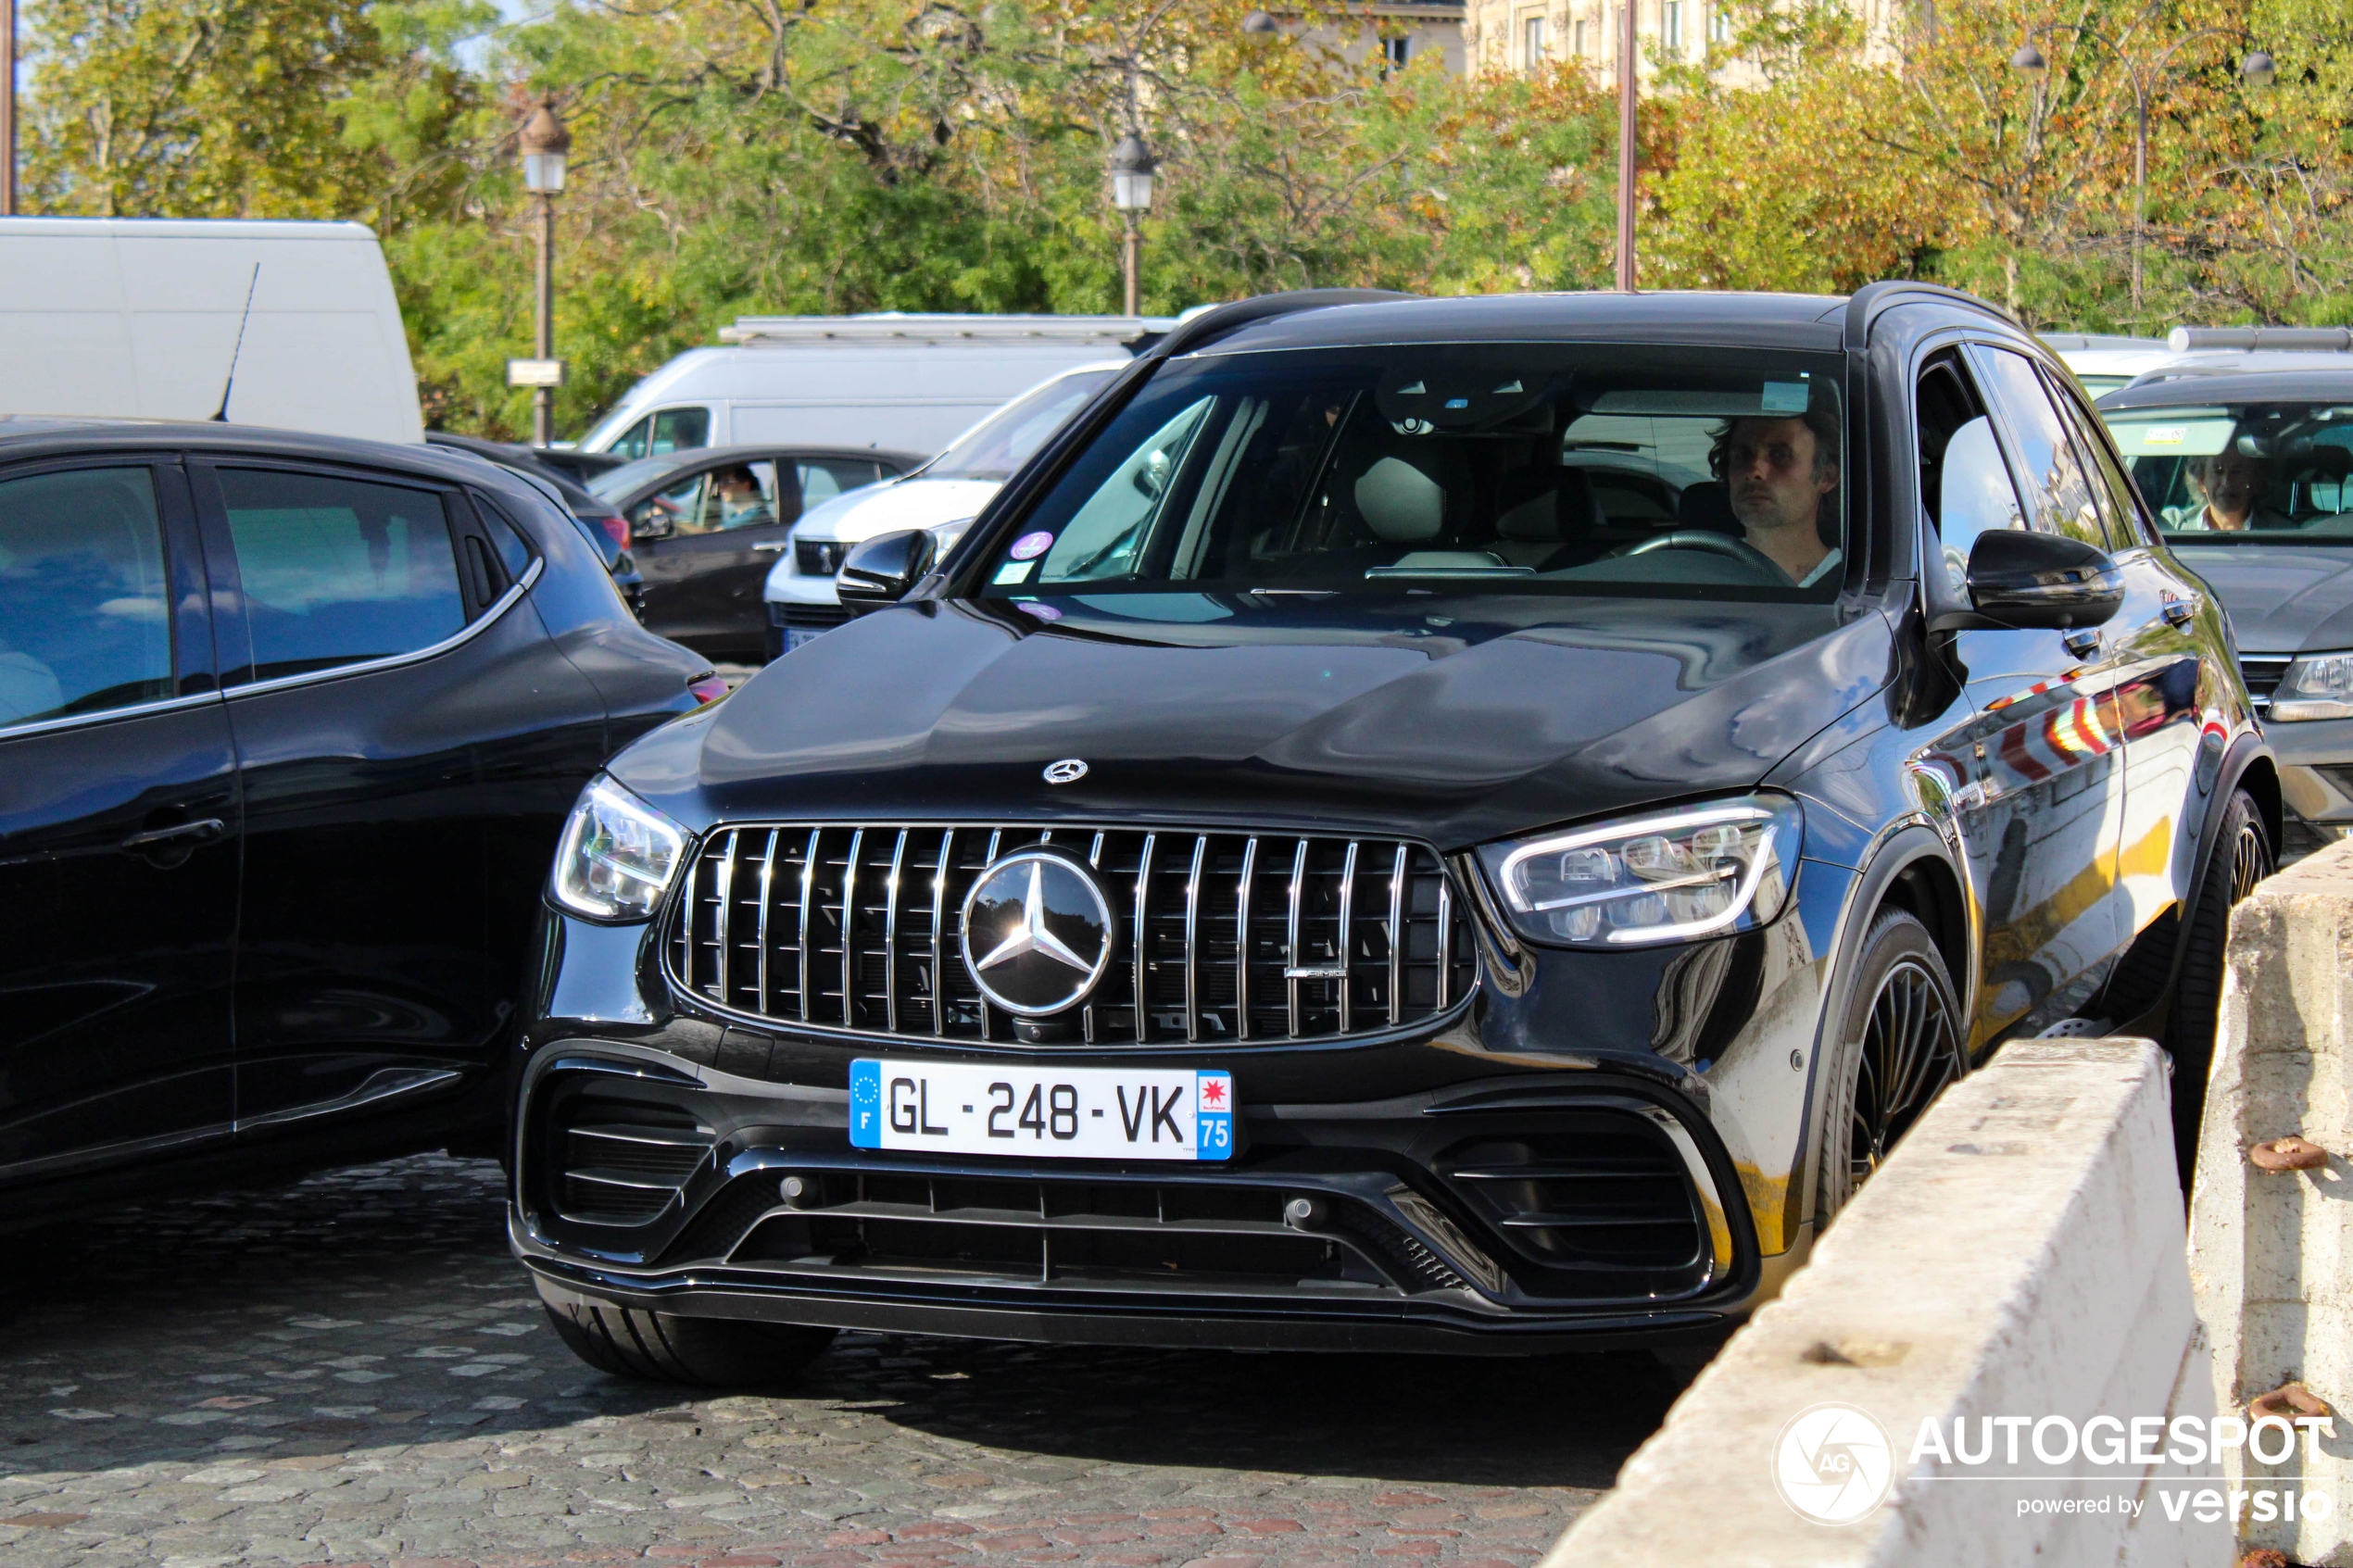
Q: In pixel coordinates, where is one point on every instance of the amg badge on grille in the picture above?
(1037, 932)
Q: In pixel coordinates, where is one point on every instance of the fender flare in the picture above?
(1905, 846)
(2249, 751)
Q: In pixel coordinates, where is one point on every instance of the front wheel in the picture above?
(1897, 1049)
(701, 1352)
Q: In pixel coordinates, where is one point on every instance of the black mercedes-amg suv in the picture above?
(1446, 823)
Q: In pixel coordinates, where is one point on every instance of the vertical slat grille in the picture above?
(1218, 936)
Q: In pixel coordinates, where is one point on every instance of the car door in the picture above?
(2040, 801)
(407, 734)
(120, 823)
(2171, 696)
(717, 533)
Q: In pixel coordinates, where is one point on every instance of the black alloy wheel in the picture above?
(1900, 1047)
(2241, 859)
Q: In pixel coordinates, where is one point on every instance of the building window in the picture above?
(1578, 33)
(1673, 25)
(1719, 25)
(1532, 43)
(1394, 52)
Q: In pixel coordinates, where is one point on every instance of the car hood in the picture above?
(1460, 722)
(2280, 598)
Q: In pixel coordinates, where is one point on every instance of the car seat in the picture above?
(1548, 508)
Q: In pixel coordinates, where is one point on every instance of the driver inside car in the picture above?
(1779, 473)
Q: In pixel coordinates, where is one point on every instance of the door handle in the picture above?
(2179, 611)
(2084, 642)
(202, 831)
(770, 546)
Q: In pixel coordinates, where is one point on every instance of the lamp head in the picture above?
(1258, 24)
(1131, 174)
(545, 144)
(2029, 63)
(2258, 69)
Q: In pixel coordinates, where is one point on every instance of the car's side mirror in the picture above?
(650, 522)
(2042, 581)
(880, 570)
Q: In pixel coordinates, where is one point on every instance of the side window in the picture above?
(2114, 493)
(741, 495)
(676, 510)
(336, 570)
(824, 480)
(631, 444)
(1965, 486)
(2051, 476)
(86, 604)
(678, 430)
(513, 551)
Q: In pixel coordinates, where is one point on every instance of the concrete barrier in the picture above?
(2020, 1256)
(2269, 1251)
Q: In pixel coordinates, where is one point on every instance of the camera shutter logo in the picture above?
(1834, 1464)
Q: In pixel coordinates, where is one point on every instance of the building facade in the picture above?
(1522, 35)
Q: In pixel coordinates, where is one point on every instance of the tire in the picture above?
(699, 1352)
(1896, 1048)
(2242, 857)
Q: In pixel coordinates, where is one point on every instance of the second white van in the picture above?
(910, 383)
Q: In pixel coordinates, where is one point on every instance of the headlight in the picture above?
(946, 534)
(1672, 877)
(616, 856)
(2318, 685)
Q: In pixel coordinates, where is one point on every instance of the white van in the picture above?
(140, 317)
(913, 382)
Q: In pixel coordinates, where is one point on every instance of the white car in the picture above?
(944, 495)
(2103, 362)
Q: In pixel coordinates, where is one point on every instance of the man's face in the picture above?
(2234, 482)
(1771, 471)
(735, 486)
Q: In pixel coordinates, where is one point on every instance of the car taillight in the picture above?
(709, 687)
(616, 525)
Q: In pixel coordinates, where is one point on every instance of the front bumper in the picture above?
(1500, 1215)
(2316, 768)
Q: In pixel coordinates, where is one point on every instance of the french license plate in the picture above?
(1054, 1112)
(797, 635)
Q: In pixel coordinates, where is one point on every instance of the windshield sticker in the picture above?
(1015, 571)
(1785, 397)
(1043, 612)
(2165, 435)
(1029, 547)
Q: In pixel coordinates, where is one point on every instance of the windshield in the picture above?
(2244, 473)
(995, 447)
(613, 483)
(1504, 467)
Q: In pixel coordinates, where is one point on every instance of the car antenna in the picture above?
(221, 415)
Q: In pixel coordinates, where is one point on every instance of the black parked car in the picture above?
(2251, 479)
(706, 524)
(287, 726)
(1310, 869)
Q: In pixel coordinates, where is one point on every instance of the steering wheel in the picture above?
(1714, 544)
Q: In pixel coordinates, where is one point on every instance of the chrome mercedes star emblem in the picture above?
(1037, 932)
(1070, 769)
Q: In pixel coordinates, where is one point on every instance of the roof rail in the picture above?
(1866, 301)
(1212, 324)
(2191, 340)
(944, 327)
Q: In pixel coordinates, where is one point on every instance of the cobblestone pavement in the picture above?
(352, 1369)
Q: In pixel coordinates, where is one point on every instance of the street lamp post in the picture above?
(8, 108)
(546, 144)
(1626, 163)
(2256, 70)
(1131, 193)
